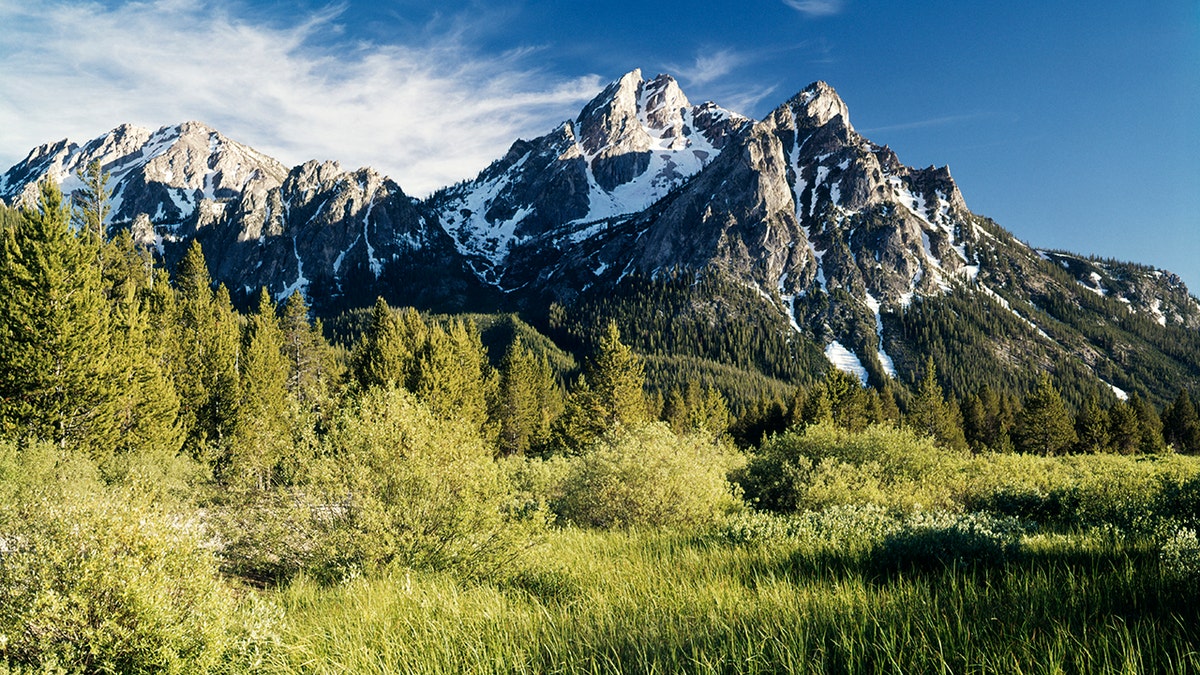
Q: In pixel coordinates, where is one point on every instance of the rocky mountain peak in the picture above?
(818, 104)
(663, 105)
(610, 124)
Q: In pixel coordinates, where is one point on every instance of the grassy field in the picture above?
(661, 602)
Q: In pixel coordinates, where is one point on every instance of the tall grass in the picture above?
(658, 602)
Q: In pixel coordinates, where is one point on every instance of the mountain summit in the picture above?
(794, 227)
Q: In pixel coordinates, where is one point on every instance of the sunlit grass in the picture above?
(659, 602)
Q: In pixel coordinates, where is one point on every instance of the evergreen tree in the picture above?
(675, 410)
(261, 436)
(207, 359)
(1124, 431)
(608, 394)
(1092, 427)
(55, 380)
(1044, 426)
(1181, 424)
(1150, 439)
(386, 354)
(147, 402)
(528, 400)
(932, 415)
(617, 376)
(91, 202)
(707, 411)
(452, 376)
(889, 410)
(311, 365)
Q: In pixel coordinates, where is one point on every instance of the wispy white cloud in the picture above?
(925, 123)
(427, 114)
(712, 65)
(816, 7)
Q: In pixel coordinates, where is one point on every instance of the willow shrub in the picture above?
(634, 476)
(824, 466)
(100, 580)
(402, 487)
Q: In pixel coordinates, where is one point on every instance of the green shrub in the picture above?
(1180, 556)
(105, 584)
(646, 476)
(823, 466)
(934, 540)
(400, 487)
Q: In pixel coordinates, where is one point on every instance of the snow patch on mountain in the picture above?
(885, 361)
(844, 360)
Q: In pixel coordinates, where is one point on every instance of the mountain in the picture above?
(771, 246)
(341, 236)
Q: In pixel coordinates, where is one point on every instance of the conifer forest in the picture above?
(193, 484)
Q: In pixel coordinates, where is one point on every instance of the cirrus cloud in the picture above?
(427, 114)
(816, 7)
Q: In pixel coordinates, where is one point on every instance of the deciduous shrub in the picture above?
(96, 581)
(824, 466)
(402, 487)
(646, 476)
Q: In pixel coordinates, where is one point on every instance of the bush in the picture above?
(1180, 556)
(400, 487)
(99, 582)
(823, 466)
(646, 476)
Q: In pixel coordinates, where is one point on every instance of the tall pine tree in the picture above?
(55, 379)
(1044, 426)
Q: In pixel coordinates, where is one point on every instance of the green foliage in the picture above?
(1043, 426)
(1180, 556)
(94, 581)
(402, 487)
(207, 364)
(930, 414)
(691, 326)
(262, 435)
(608, 394)
(529, 400)
(1181, 424)
(55, 383)
(90, 203)
(646, 476)
(697, 410)
(824, 465)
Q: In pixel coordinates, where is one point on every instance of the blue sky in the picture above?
(1074, 125)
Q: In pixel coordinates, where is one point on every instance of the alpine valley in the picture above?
(727, 249)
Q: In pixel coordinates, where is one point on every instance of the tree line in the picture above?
(104, 350)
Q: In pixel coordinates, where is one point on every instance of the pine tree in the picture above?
(206, 361)
(618, 376)
(607, 395)
(55, 380)
(1124, 431)
(518, 403)
(91, 202)
(1092, 427)
(147, 403)
(1181, 424)
(932, 415)
(1044, 426)
(310, 360)
(261, 435)
(675, 410)
(452, 375)
(386, 354)
(1149, 424)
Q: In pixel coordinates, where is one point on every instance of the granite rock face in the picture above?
(830, 229)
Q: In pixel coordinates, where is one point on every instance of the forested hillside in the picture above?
(186, 487)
